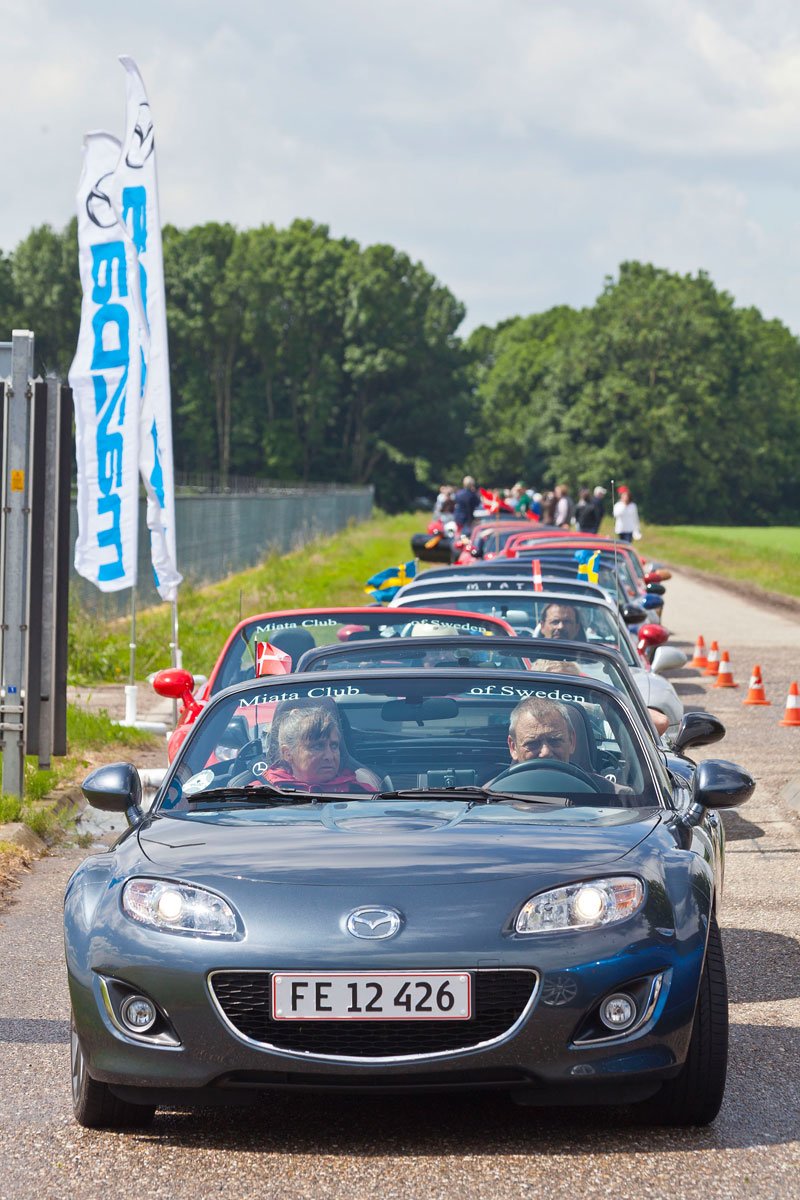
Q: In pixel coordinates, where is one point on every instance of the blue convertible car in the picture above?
(407, 879)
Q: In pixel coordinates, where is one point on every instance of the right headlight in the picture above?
(178, 908)
(588, 905)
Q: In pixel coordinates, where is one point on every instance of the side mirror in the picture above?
(698, 729)
(652, 601)
(721, 784)
(632, 614)
(655, 589)
(115, 788)
(177, 684)
(668, 658)
(650, 636)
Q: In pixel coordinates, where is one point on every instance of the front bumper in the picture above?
(535, 1056)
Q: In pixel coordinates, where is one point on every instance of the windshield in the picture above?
(473, 579)
(532, 735)
(425, 653)
(542, 615)
(297, 632)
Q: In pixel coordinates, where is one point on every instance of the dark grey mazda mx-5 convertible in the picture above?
(407, 879)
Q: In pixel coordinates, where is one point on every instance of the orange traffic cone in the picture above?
(756, 693)
(700, 658)
(712, 666)
(725, 674)
(792, 714)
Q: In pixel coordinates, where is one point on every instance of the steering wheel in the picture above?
(242, 766)
(549, 775)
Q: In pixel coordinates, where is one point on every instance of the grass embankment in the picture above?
(766, 557)
(88, 735)
(327, 571)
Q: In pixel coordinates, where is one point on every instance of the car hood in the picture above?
(346, 841)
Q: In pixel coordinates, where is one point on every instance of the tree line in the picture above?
(297, 355)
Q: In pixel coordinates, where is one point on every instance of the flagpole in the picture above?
(130, 690)
(616, 559)
(175, 649)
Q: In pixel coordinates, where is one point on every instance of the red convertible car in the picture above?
(271, 644)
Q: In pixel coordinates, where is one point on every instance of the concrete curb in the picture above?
(18, 834)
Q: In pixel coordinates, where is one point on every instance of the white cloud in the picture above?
(522, 149)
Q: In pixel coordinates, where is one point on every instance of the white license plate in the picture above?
(377, 996)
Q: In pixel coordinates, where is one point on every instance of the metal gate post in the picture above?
(44, 747)
(14, 613)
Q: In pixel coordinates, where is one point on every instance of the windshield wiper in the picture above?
(258, 795)
(468, 791)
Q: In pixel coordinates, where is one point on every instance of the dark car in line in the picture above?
(407, 880)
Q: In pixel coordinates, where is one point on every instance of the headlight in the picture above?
(582, 905)
(178, 908)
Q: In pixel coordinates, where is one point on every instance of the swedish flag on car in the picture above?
(587, 565)
(384, 586)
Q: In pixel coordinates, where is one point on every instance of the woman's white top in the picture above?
(626, 517)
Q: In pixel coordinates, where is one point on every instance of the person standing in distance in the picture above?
(626, 517)
(466, 500)
(591, 518)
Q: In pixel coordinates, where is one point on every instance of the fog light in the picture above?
(618, 1011)
(138, 1013)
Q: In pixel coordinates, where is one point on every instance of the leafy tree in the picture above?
(510, 366)
(205, 337)
(291, 287)
(647, 390)
(408, 405)
(46, 285)
(9, 303)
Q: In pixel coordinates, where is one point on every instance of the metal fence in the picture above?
(219, 533)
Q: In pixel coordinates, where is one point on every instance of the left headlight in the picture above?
(582, 905)
(178, 908)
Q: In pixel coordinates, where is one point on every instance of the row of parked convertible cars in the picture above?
(453, 843)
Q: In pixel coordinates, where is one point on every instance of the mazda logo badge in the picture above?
(374, 922)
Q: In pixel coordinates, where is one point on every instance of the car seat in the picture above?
(583, 754)
(294, 641)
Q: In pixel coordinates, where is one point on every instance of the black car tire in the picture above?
(694, 1097)
(94, 1104)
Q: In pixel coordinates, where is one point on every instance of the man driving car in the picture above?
(540, 729)
(560, 622)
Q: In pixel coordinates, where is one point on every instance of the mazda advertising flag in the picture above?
(134, 195)
(105, 380)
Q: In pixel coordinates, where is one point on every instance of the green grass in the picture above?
(95, 730)
(326, 572)
(767, 557)
(86, 732)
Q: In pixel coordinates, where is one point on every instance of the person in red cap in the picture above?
(626, 516)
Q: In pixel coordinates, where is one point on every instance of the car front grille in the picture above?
(501, 997)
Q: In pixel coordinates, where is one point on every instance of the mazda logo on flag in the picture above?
(374, 922)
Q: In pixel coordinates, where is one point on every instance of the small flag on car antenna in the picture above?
(385, 585)
(587, 565)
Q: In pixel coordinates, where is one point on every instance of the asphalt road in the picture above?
(483, 1146)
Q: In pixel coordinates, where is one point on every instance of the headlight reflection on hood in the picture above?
(178, 908)
(586, 905)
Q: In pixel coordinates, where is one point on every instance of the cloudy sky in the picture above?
(520, 148)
